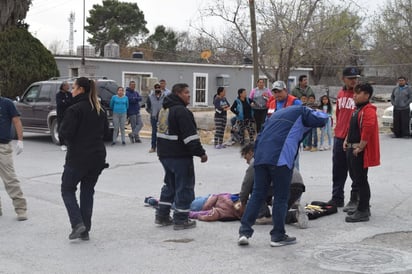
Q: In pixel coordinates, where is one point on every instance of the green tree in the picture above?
(13, 12)
(163, 43)
(23, 60)
(119, 21)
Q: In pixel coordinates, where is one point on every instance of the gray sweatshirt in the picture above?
(401, 97)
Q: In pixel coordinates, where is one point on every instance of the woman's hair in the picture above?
(220, 90)
(240, 91)
(90, 89)
(329, 104)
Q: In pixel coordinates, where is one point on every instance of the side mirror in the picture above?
(18, 98)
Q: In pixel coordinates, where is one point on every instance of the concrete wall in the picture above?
(235, 77)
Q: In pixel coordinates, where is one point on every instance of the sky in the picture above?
(49, 22)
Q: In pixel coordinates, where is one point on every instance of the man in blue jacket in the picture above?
(275, 152)
(133, 112)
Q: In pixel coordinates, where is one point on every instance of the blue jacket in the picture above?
(279, 140)
(119, 105)
(134, 101)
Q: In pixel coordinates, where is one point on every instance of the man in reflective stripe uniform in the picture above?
(177, 143)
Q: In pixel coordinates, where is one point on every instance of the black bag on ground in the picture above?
(318, 209)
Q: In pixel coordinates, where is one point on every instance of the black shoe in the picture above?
(77, 230)
(131, 137)
(85, 236)
(336, 203)
(358, 216)
(185, 225)
(123, 143)
(137, 139)
(163, 220)
(350, 206)
(351, 212)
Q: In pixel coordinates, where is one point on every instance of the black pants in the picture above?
(359, 176)
(401, 120)
(260, 117)
(339, 171)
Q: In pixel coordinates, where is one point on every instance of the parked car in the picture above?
(37, 105)
(387, 117)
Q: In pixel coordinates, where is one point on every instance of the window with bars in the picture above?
(200, 90)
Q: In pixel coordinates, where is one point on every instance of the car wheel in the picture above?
(54, 132)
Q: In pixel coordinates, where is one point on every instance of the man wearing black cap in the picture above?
(345, 106)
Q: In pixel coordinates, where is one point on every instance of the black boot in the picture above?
(353, 202)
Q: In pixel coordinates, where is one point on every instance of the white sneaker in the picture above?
(243, 240)
(302, 217)
(327, 147)
(63, 148)
(322, 148)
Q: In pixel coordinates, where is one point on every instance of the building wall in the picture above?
(146, 73)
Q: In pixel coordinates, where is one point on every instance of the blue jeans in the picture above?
(178, 188)
(312, 138)
(119, 122)
(136, 124)
(339, 170)
(153, 122)
(264, 175)
(70, 179)
(326, 130)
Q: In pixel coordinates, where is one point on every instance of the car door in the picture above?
(25, 105)
(43, 105)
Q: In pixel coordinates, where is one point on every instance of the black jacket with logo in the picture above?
(83, 130)
(177, 131)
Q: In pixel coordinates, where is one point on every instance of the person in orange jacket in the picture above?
(280, 98)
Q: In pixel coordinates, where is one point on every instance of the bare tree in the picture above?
(392, 30)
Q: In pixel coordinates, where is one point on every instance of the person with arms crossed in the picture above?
(400, 99)
(133, 112)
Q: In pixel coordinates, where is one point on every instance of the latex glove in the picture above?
(19, 147)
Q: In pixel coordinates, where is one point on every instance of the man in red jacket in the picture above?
(344, 109)
(362, 149)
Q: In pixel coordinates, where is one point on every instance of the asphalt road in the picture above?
(124, 238)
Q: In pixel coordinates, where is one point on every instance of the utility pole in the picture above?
(84, 18)
(254, 40)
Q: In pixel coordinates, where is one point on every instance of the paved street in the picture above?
(124, 238)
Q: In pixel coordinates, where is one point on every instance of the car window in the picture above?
(44, 95)
(32, 94)
(106, 89)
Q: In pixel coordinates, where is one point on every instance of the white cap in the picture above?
(279, 85)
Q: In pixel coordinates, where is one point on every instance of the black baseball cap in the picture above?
(351, 72)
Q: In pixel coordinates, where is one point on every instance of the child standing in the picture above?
(326, 107)
(221, 108)
(312, 137)
(362, 149)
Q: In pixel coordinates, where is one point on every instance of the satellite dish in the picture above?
(205, 54)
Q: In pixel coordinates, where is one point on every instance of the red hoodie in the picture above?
(344, 109)
(369, 129)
